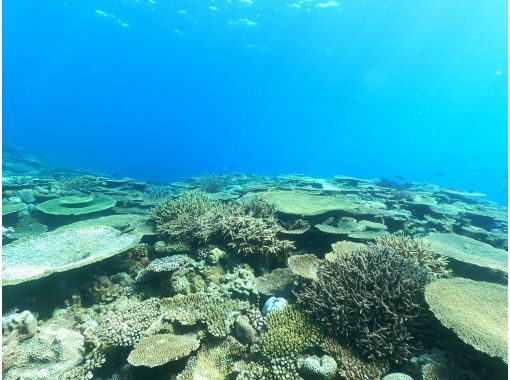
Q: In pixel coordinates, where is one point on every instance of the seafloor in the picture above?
(248, 277)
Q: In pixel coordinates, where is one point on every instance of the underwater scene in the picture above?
(253, 189)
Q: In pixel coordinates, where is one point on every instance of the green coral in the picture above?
(289, 332)
(371, 299)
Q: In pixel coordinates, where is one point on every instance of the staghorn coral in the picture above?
(249, 234)
(189, 219)
(289, 332)
(127, 325)
(194, 219)
(156, 350)
(418, 249)
(372, 300)
(350, 366)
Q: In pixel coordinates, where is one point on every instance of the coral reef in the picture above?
(221, 257)
(397, 376)
(370, 299)
(212, 183)
(18, 326)
(85, 371)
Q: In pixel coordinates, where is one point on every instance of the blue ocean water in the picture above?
(161, 89)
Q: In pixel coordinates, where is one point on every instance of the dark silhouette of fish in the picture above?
(440, 174)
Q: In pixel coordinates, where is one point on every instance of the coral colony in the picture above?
(250, 277)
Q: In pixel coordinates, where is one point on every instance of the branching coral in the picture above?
(418, 249)
(249, 228)
(371, 300)
(189, 218)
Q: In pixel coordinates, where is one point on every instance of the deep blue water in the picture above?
(162, 89)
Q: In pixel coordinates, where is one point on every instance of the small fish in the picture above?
(399, 177)
(439, 174)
